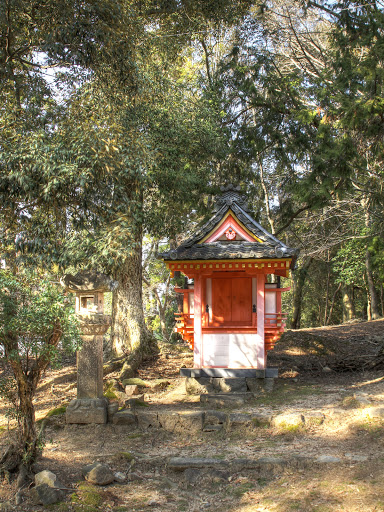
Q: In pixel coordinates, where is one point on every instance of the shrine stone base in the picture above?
(246, 385)
(87, 410)
(234, 373)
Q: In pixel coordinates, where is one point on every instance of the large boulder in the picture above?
(43, 494)
(48, 478)
(98, 474)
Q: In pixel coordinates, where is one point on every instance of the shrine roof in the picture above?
(227, 250)
(231, 202)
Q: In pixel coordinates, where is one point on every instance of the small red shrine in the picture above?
(232, 312)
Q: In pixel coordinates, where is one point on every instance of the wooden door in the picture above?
(221, 301)
(231, 301)
(242, 301)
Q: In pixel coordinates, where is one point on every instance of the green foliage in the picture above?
(37, 322)
(33, 312)
(349, 263)
(8, 392)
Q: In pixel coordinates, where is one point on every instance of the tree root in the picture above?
(133, 361)
(10, 461)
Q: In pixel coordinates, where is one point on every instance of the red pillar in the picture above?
(197, 341)
(260, 345)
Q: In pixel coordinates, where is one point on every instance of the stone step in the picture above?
(226, 399)
(263, 464)
(190, 421)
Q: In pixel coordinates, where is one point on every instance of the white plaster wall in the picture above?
(230, 350)
(191, 299)
(270, 301)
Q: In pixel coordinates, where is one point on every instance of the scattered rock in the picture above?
(264, 464)
(290, 420)
(376, 412)
(239, 420)
(183, 422)
(43, 494)
(147, 419)
(18, 498)
(261, 420)
(120, 477)
(97, 473)
(212, 428)
(134, 477)
(198, 386)
(112, 409)
(356, 458)
(215, 417)
(153, 503)
(159, 384)
(48, 478)
(131, 389)
(224, 400)
(183, 463)
(124, 417)
(217, 476)
(326, 369)
(137, 401)
(327, 459)
(191, 475)
(269, 384)
(136, 381)
(255, 386)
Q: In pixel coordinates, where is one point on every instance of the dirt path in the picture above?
(293, 479)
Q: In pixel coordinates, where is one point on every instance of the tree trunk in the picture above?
(299, 277)
(26, 449)
(163, 323)
(28, 438)
(373, 311)
(373, 302)
(332, 304)
(349, 311)
(129, 332)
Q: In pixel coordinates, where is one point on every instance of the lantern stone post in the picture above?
(90, 406)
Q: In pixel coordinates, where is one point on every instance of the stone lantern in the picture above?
(90, 406)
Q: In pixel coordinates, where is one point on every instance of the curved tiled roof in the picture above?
(269, 247)
(226, 250)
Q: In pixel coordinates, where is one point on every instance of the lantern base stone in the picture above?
(87, 410)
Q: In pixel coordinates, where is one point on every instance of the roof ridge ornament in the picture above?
(231, 194)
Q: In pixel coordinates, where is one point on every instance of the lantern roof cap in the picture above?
(87, 281)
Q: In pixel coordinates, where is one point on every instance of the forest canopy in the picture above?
(120, 120)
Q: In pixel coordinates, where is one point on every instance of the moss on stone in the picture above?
(87, 498)
(136, 381)
(57, 411)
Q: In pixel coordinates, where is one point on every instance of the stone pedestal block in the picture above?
(204, 385)
(87, 410)
(224, 385)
